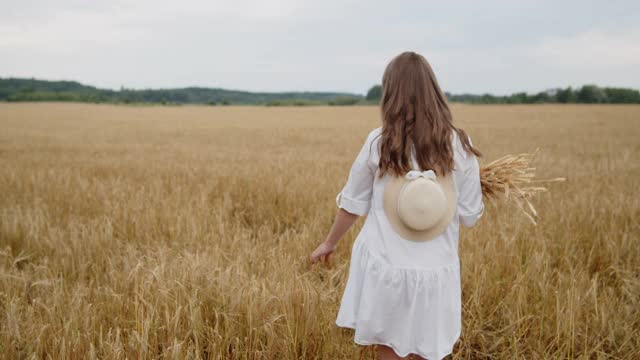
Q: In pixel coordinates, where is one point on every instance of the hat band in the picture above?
(414, 174)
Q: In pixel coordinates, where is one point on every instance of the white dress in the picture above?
(401, 293)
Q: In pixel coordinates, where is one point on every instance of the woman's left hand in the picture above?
(323, 252)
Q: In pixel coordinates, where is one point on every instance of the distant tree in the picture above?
(488, 99)
(590, 94)
(566, 95)
(518, 98)
(622, 96)
(541, 97)
(344, 100)
(375, 93)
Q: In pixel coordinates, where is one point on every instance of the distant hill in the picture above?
(20, 89)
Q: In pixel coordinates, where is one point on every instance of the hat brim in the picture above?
(390, 201)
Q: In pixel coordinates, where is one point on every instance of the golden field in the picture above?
(184, 232)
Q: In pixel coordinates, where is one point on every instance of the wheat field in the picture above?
(178, 232)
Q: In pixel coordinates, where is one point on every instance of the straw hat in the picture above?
(420, 205)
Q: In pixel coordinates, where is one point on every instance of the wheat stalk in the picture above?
(512, 177)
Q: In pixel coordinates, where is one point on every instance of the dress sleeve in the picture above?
(355, 196)
(470, 204)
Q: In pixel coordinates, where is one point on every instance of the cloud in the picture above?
(496, 46)
(595, 48)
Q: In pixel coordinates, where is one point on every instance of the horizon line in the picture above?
(552, 88)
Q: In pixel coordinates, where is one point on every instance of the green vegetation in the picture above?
(15, 89)
(345, 100)
(294, 102)
(587, 94)
(375, 93)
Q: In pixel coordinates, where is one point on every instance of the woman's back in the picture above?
(398, 288)
(364, 192)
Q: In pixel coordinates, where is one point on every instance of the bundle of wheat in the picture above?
(512, 177)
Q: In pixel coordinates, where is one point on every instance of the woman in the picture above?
(417, 178)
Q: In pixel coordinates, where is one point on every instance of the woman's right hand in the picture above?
(323, 252)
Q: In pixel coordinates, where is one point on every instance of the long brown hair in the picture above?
(415, 112)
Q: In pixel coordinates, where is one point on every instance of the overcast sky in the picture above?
(327, 45)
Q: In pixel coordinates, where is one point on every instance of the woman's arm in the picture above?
(470, 202)
(341, 225)
(353, 201)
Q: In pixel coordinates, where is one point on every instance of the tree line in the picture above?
(20, 89)
(587, 94)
